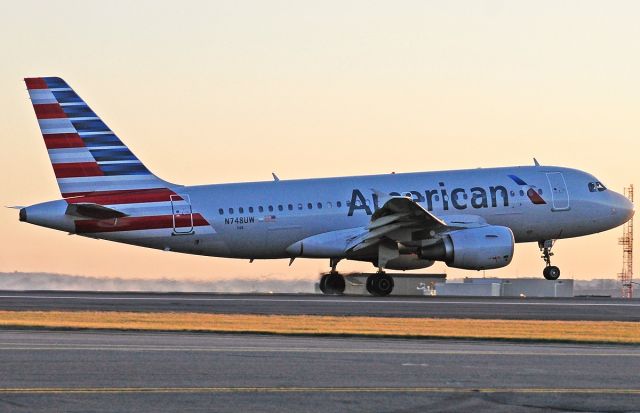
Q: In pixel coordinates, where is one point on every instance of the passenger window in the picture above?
(329, 204)
(290, 207)
(270, 208)
(241, 210)
(540, 191)
(231, 211)
(521, 192)
(512, 193)
(280, 208)
(310, 205)
(251, 210)
(300, 207)
(260, 208)
(319, 205)
(221, 211)
(339, 204)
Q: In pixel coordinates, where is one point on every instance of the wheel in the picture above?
(370, 284)
(551, 272)
(323, 283)
(380, 284)
(385, 284)
(334, 284)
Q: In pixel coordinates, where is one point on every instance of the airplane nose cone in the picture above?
(629, 209)
(622, 207)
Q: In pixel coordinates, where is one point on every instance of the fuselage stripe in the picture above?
(87, 226)
(125, 197)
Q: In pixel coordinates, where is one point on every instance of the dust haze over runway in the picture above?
(109, 371)
(596, 309)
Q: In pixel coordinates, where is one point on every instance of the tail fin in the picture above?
(87, 157)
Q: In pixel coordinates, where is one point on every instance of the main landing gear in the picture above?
(333, 283)
(380, 284)
(550, 272)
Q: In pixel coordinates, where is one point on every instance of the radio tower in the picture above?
(626, 276)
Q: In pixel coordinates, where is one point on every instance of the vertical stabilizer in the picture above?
(87, 157)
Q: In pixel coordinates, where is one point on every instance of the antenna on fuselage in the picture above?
(275, 177)
(535, 162)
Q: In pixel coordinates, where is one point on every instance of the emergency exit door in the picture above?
(182, 214)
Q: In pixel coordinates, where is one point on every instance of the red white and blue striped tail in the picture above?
(87, 157)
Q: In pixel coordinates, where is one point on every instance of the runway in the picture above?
(597, 309)
(107, 371)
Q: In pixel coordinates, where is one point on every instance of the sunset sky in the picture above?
(228, 91)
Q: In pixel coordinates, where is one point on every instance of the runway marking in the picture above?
(433, 390)
(391, 351)
(323, 301)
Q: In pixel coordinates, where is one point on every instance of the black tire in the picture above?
(335, 284)
(370, 284)
(385, 284)
(551, 272)
(323, 283)
(380, 285)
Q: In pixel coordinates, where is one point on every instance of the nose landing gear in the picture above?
(550, 272)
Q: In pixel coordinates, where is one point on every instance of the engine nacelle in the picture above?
(332, 244)
(481, 248)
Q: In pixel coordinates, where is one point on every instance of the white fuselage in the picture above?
(260, 220)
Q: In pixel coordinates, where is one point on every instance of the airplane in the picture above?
(468, 219)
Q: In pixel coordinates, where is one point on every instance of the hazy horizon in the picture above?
(21, 281)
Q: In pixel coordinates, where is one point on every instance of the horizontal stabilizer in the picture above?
(88, 210)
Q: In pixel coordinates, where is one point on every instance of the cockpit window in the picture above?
(596, 186)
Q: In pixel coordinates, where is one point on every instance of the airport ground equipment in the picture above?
(626, 276)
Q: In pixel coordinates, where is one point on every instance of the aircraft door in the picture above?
(182, 214)
(559, 192)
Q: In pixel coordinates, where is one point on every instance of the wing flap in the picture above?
(397, 213)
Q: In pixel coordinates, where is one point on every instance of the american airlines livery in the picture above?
(469, 219)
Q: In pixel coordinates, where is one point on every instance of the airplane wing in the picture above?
(404, 220)
(398, 218)
(90, 210)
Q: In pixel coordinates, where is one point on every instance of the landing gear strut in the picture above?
(380, 284)
(550, 272)
(332, 283)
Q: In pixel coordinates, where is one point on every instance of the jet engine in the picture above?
(473, 248)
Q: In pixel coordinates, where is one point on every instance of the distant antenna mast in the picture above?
(626, 276)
